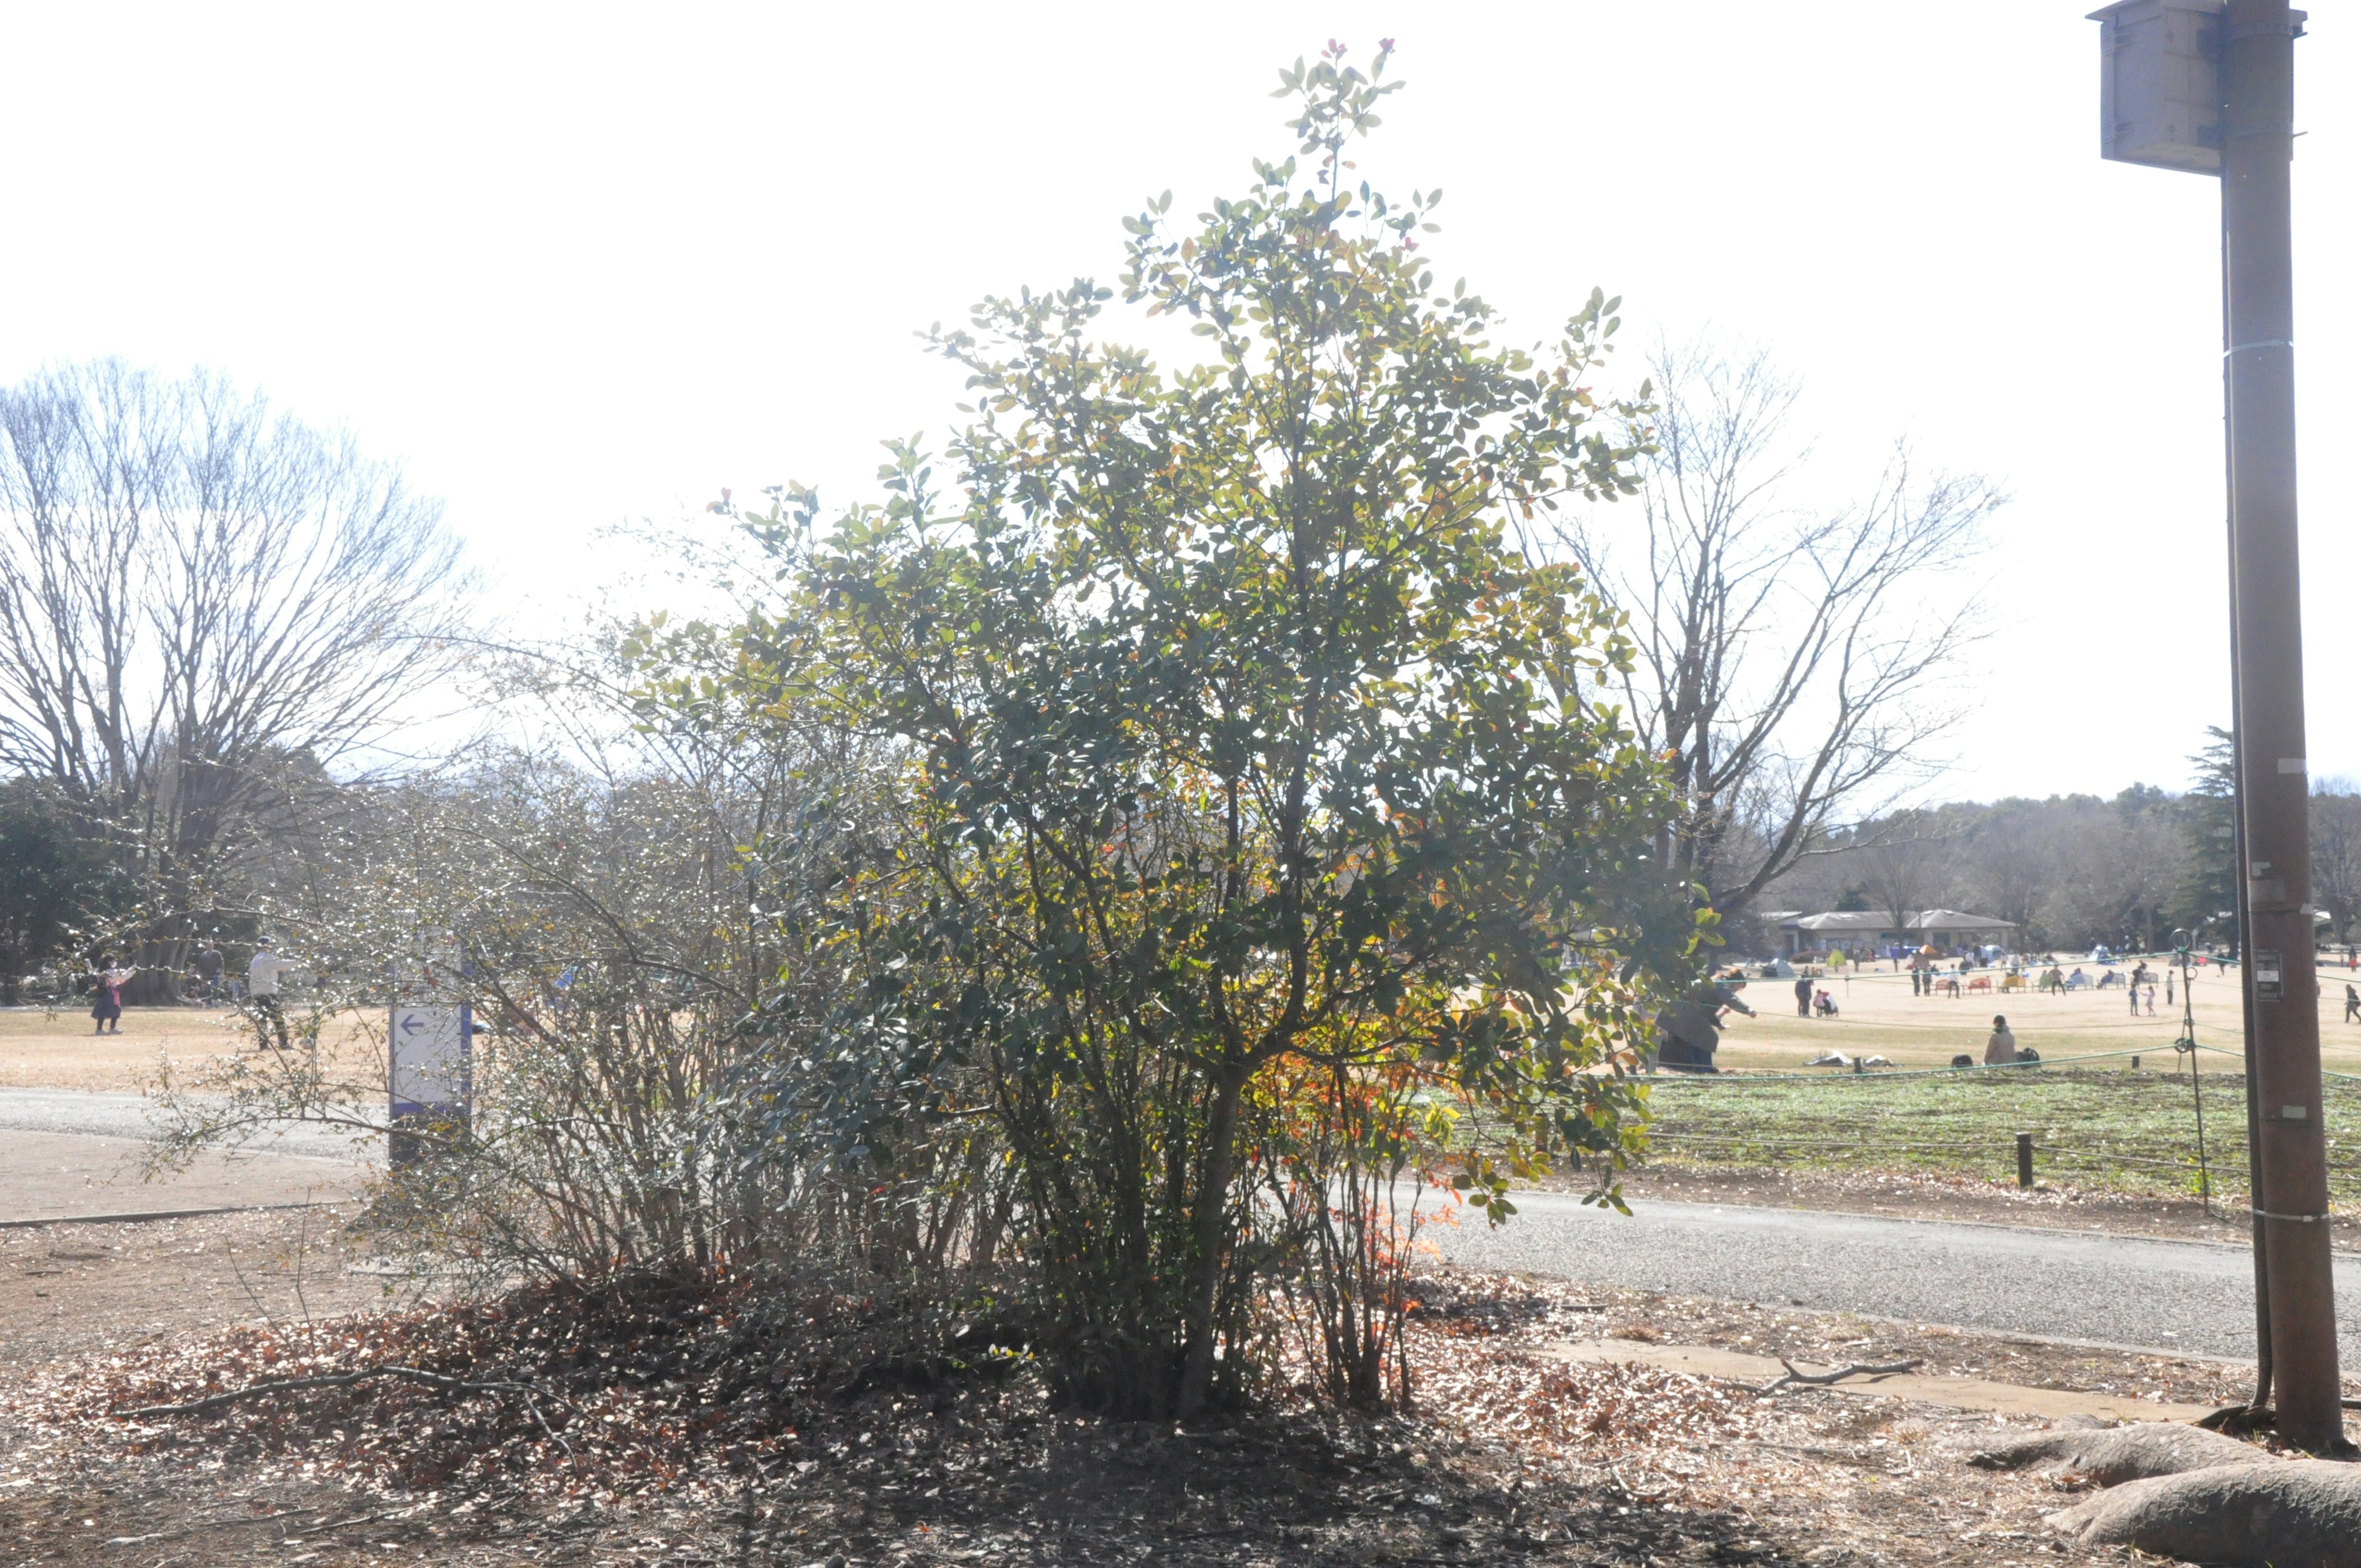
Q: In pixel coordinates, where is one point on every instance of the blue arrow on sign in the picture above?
(409, 1024)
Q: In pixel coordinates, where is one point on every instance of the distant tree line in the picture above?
(2074, 869)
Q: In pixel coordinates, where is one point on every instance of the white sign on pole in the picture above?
(429, 1058)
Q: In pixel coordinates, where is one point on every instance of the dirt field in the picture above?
(49, 1176)
(39, 1049)
(1515, 1454)
(1879, 1015)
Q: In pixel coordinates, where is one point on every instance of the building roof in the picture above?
(1959, 919)
(1880, 920)
(1842, 920)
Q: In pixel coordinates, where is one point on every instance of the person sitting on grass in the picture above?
(2000, 1048)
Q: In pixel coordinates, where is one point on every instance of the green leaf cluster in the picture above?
(1251, 768)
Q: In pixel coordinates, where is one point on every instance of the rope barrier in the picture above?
(2219, 1051)
(2341, 1181)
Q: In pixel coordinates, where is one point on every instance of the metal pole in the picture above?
(2188, 1044)
(2258, 80)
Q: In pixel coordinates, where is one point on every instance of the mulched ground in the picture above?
(699, 1424)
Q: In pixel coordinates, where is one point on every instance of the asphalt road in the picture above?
(2187, 1296)
(116, 1116)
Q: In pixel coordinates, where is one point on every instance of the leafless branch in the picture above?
(198, 596)
(1790, 661)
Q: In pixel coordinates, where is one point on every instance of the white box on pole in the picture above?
(2160, 84)
(2160, 90)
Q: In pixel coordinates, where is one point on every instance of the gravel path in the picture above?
(2164, 1295)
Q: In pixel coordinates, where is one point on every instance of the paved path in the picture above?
(67, 1176)
(116, 1116)
(66, 1154)
(2190, 1296)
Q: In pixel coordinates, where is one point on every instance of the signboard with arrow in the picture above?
(429, 1060)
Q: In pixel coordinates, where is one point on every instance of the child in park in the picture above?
(107, 1009)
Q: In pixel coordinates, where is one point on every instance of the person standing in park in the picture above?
(2000, 1049)
(1803, 997)
(2352, 1003)
(106, 1007)
(262, 995)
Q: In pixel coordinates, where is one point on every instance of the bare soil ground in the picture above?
(72, 1289)
(710, 1426)
(41, 1048)
(1877, 1014)
(50, 1176)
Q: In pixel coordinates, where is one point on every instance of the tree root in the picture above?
(442, 1380)
(1821, 1379)
(2239, 1421)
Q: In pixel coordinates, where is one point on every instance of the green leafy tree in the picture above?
(1249, 760)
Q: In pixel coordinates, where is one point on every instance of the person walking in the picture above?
(1803, 997)
(2152, 1000)
(2351, 1004)
(262, 995)
(2168, 988)
(2000, 1049)
(106, 1007)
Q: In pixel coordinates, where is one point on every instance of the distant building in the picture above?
(1862, 933)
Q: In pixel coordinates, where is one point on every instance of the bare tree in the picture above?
(2336, 852)
(2011, 861)
(1790, 659)
(1906, 860)
(197, 592)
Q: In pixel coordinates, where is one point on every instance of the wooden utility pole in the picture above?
(2208, 87)
(2290, 1188)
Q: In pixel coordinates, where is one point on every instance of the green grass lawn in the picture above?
(2133, 1131)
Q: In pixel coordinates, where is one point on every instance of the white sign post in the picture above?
(427, 1080)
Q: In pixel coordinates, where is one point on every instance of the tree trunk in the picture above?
(157, 983)
(1213, 1213)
